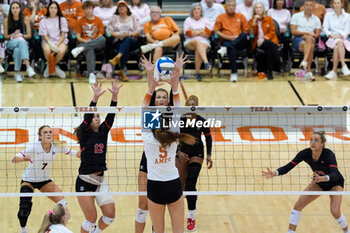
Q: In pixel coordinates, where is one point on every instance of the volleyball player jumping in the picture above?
(40, 155)
(326, 177)
(163, 184)
(92, 136)
(190, 159)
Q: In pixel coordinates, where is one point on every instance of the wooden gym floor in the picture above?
(216, 214)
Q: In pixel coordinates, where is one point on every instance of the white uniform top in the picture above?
(160, 160)
(305, 24)
(39, 168)
(58, 228)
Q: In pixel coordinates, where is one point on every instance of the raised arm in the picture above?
(175, 79)
(152, 83)
(24, 156)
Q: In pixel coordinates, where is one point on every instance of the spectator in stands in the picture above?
(90, 37)
(105, 11)
(35, 11)
(160, 32)
(17, 30)
(305, 28)
(337, 28)
(282, 17)
(4, 10)
(54, 29)
(246, 9)
(197, 31)
(211, 11)
(234, 35)
(125, 29)
(264, 2)
(265, 38)
(73, 11)
(319, 10)
(141, 11)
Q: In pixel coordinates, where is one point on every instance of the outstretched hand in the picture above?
(180, 61)
(268, 174)
(97, 88)
(147, 64)
(115, 90)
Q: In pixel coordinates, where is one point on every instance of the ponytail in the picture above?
(166, 137)
(53, 216)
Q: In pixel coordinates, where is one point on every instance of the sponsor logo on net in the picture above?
(152, 120)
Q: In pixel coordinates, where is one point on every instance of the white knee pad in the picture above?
(88, 226)
(141, 215)
(294, 217)
(103, 199)
(107, 220)
(62, 202)
(342, 221)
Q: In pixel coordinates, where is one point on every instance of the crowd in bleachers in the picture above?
(266, 30)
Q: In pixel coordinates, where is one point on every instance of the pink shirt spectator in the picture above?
(192, 24)
(261, 32)
(50, 27)
(105, 13)
(244, 10)
(281, 16)
(141, 12)
(119, 25)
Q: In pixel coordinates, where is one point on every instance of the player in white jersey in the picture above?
(40, 155)
(163, 181)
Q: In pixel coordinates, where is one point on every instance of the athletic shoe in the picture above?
(345, 70)
(76, 51)
(46, 71)
(331, 75)
(199, 77)
(207, 66)
(18, 77)
(309, 77)
(60, 73)
(123, 76)
(148, 47)
(262, 75)
(92, 79)
(30, 71)
(234, 77)
(303, 65)
(2, 70)
(191, 225)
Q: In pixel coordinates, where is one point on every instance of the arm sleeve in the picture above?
(293, 21)
(245, 25)
(333, 167)
(318, 23)
(289, 166)
(81, 12)
(218, 24)
(66, 151)
(85, 125)
(107, 124)
(42, 27)
(208, 140)
(271, 30)
(64, 25)
(28, 152)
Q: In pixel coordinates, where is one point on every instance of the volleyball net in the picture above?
(246, 140)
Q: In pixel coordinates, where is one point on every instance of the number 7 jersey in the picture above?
(40, 163)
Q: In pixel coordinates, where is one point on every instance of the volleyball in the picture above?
(163, 69)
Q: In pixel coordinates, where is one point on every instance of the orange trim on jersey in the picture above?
(332, 165)
(146, 100)
(85, 122)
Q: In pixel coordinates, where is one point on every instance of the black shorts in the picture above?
(83, 186)
(143, 163)
(164, 192)
(327, 187)
(37, 185)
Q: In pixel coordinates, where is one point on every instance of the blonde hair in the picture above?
(264, 13)
(322, 134)
(53, 216)
(193, 98)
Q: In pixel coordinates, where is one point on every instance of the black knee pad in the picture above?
(25, 206)
(190, 183)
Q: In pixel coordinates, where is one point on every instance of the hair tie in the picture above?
(51, 212)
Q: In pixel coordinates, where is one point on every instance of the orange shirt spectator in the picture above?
(231, 25)
(161, 30)
(73, 11)
(319, 10)
(39, 14)
(268, 28)
(90, 29)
